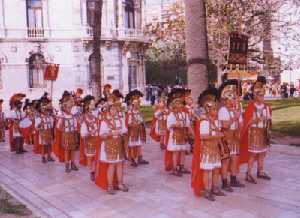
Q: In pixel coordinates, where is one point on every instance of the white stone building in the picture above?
(156, 9)
(36, 32)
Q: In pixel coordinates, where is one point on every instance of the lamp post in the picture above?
(95, 17)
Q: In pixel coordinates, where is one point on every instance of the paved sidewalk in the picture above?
(49, 192)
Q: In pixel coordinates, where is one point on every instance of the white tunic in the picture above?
(135, 116)
(104, 129)
(205, 162)
(16, 115)
(160, 115)
(64, 126)
(171, 120)
(262, 111)
(225, 115)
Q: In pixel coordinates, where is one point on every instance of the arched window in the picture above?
(36, 71)
(129, 14)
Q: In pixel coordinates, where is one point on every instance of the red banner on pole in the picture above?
(51, 72)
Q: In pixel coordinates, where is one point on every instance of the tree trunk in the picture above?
(96, 55)
(196, 46)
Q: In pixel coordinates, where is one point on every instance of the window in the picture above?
(36, 71)
(132, 77)
(34, 13)
(129, 14)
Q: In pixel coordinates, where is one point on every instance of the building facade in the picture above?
(34, 33)
(156, 9)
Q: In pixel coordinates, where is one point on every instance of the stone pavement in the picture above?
(49, 192)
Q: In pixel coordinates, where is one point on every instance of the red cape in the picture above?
(82, 156)
(57, 148)
(37, 148)
(244, 154)
(169, 155)
(153, 133)
(101, 177)
(197, 178)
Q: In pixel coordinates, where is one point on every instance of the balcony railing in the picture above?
(121, 34)
(85, 32)
(35, 32)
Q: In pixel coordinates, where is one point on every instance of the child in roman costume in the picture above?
(256, 132)
(2, 123)
(15, 116)
(68, 125)
(230, 117)
(89, 131)
(189, 107)
(112, 153)
(27, 124)
(136, 128)
(159, 122)
(206, 156)
(44, 125)
(179, 127)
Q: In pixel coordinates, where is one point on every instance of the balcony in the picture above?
(119, 34)
(35, 32)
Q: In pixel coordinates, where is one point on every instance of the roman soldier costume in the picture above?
(159, 122)
(178, 129)
(256, 131)
(112, 151)
(136, 128)
(2, 123)
(27, 124)
(68, 126)
(15, 116)
(189, 107)
(44, 125)
(207, 148)
(230, 117)
(89, 132)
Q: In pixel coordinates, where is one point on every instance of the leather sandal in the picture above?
(218, 193)
(110, 190)
(250, 179)
(263, 175)
(123, 188)
(209, 196)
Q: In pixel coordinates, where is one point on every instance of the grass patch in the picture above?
(147, 112)
(286, 115)
(280, 103)
(287, 121)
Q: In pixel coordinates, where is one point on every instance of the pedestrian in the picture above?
(178, 127)
(136, 128)
(89, 132)
(44, 125)
(68, 126)
(112, 151)
(15, 116)
(230, 118)
(207, 157)
(256, 132)
(159, 122)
